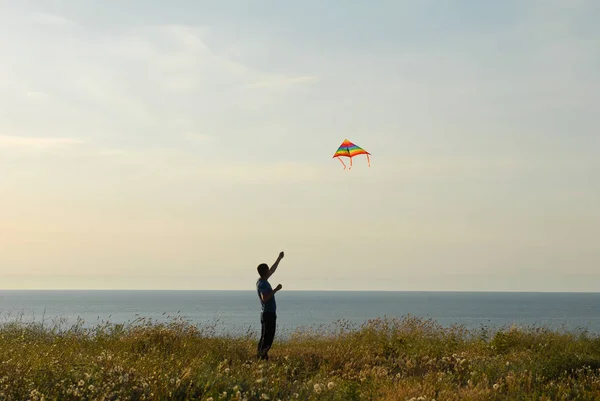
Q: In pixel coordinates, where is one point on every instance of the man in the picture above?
(268, 315)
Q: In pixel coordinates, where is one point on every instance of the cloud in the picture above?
(178, 58)
(19, 142)
(174, 165)
(199, 138)
(282, 82)
(143, 85)
(50, 19)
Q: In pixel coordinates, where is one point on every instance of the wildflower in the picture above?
(91, 387)
(209, 399)
(81, 383)
(330, 385)
(224, 395)
(496, 386)
(263, 396)
(236, 387)
(317, 388)
(260, 380)
(227, 371)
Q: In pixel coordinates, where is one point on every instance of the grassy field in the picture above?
(384, 359)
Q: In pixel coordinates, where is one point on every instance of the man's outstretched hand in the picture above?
(274, 267)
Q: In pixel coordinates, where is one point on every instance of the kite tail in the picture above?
(350, 163)
(341, 161)
(369, 160)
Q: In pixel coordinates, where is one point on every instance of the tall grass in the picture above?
(384, 359)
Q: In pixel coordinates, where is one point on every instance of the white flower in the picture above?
(330, 385)
(317, 388)
(496, 386)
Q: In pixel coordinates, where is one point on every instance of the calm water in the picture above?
(237, 311)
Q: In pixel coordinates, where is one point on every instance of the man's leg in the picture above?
(270, 326)
(259, 349)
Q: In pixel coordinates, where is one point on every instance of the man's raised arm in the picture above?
(274, 267)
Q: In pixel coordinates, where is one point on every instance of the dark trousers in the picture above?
(267, 334)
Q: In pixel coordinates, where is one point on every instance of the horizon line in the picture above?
(302, 290)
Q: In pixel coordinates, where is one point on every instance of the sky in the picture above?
(177, 145)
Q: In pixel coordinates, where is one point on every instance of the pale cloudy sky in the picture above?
(177, 144)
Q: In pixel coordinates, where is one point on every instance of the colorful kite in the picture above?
(348, 149)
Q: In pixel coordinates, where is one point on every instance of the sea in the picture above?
(238, 312)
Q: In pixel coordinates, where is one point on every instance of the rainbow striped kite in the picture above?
(348, 149)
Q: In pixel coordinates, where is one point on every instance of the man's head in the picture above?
(263, 270)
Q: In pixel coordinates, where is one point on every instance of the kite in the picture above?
(348, 149)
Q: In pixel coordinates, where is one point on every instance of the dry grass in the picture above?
(384, 359)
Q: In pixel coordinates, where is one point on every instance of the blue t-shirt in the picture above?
(263, 287)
